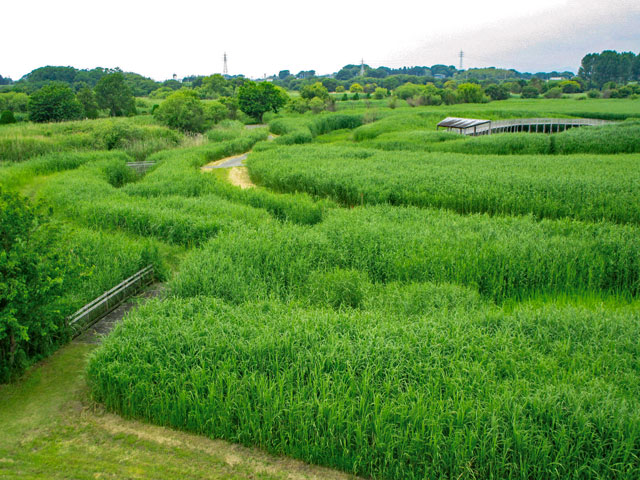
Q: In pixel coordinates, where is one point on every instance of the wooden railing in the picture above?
(108, 301)
(533, 125)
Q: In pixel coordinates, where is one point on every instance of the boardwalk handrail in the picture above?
(141, 167)
(520, 124)
(100, 306)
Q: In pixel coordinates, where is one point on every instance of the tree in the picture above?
(31, 287)
(497, 92)
(112, 93)
(215, 111)
(257, 98)
(55, 102)
(408, 90)
(308, 92)
(356, 88)
(88, 100)
(216, 86)
(282, 74)
(330, 84)
(380, 93)
(182, 110)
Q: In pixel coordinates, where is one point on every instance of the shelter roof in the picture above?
(455, 122)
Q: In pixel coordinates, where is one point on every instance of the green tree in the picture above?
(88, 100)
(497, 92)
(215, 111)
(54, 102)
(31, 284)
(257, 98)
(308, 92)
(298, 105)
(570, 86)
(408, 90)
(113, 93)
(470, 93)
(216, 86)
(182, 110)
(380, 93)
(356, 88)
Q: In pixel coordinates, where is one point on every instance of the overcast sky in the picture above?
(191, 36)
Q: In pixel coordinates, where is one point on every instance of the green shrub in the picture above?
(7, 117)
(118, 174)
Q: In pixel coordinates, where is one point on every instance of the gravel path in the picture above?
(237, 161)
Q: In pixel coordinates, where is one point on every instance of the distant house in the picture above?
(439, 75)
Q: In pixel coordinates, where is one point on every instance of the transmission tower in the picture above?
(225, 70)
(461, 55)
(362, 67)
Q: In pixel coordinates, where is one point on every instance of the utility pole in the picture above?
(461, 55)
(225, 70)
(362, 67)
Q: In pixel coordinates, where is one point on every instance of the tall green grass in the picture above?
(137, 137)
(503, 258)
(86, 196)
(586, 187)
(304, 128)
(179, 174)
(546, 393)
(14, 175)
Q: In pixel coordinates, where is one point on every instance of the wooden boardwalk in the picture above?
(528, 125)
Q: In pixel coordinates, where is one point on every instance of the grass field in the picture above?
(389, 301)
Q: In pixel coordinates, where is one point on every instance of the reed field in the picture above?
(584, 187)
(386, 300)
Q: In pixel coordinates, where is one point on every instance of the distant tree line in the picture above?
(65, 93)
(610, 66)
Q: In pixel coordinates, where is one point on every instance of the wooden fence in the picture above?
(108, 301)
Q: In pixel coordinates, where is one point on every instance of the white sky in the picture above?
(190, 37)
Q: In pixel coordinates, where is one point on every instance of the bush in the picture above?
(497, 92)
(7, 117)
(530, 92)
(555, 92)
(594, 94)
(316, 105)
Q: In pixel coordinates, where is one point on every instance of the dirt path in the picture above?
(239, 176)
